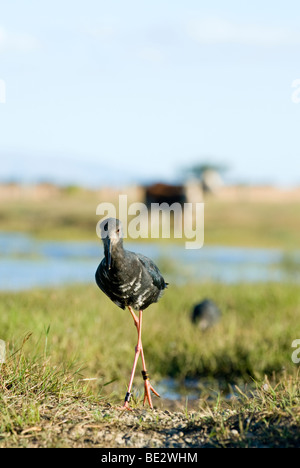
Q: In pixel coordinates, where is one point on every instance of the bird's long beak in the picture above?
(108, 255)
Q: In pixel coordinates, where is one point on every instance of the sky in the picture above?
(135, 91)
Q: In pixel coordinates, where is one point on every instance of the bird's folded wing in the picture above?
(153, 271)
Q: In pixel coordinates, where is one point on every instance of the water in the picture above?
(195, 389)
(26, 263)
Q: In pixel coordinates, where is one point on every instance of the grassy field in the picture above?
(71, 214)
(58, 338)
(70, 350)
(253, 338)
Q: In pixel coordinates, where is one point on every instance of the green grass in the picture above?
(253, 338)
(57, 338)
(29, 385)
(267, 417)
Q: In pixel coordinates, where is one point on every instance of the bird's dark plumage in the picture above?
(127, 278)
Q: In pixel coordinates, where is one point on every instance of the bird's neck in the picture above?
(117, 255)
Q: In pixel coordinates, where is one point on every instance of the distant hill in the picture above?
(63, 170)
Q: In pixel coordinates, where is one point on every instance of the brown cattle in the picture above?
(164, 193)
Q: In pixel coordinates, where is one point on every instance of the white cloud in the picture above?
(10, 41)
(220, 31)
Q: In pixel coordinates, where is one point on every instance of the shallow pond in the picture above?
(27, 263)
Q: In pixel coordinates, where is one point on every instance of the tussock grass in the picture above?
(267, 416)
(30, 386)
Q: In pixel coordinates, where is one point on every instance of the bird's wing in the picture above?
(153, 271)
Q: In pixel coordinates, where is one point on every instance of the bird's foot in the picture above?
(148, 389)
(126, 406)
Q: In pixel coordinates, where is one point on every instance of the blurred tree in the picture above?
(208, 174)
(197, 170)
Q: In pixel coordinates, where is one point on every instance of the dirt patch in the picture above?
(102, 426)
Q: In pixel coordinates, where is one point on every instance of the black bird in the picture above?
(206, 314)
(129, 280)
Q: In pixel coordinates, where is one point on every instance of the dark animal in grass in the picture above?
(206, 314)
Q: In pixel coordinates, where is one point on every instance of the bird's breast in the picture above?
(121, 282)
(130, 281)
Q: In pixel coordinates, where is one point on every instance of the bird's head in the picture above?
(111, 235)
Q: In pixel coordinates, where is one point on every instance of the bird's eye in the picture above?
(118, 231)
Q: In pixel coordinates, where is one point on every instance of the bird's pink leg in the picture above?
(147, 385)
(138, 349)
(135, 319)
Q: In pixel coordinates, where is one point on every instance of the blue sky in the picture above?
(104, 92)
